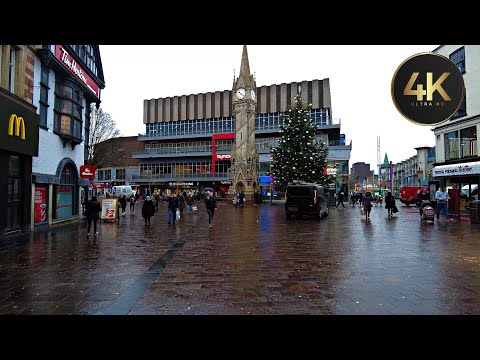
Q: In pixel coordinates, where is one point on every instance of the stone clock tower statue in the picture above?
(244, 159)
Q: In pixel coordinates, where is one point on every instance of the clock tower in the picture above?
(244, 159)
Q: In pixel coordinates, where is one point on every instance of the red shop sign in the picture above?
(69, 62)
(87, 171)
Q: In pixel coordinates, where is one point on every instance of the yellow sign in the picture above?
(19, 124)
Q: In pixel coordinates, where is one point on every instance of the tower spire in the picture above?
(245, 69)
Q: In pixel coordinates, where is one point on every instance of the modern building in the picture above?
(457, 161)
(189, 139)
(414, 171)
(18, 137)
(117, 167)
(67, 80)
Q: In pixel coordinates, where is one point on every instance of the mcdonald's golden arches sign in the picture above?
(18, 128)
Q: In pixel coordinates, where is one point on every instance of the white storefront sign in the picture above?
(472, 168)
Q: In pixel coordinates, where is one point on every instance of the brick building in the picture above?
(18, 137)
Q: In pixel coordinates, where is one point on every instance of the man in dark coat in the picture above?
(148, 209)
(92, 210)
(211, 205)
(341, 197)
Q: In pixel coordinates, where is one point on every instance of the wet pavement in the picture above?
(253, 261)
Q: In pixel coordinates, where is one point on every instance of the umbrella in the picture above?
(208, 189)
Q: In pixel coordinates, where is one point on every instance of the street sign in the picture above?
(87, 171)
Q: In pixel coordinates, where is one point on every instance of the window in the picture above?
(452, 145)
(468, 142)
(458, 58)
(44, 95)
(11, 71)
(462, 110)
(68, 111)
(120, 174)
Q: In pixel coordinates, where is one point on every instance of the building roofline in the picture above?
(212, 92)
(435, 50)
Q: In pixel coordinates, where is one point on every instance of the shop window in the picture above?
(66, 194)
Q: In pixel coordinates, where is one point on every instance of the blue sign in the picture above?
(265, 179)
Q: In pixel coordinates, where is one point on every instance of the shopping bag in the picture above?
(178, 214)
(362, 211)
(194, 208)
(394, 209)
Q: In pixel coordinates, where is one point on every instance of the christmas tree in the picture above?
(299, 155)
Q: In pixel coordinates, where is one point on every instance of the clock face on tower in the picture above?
(252, 94)
(240, 94)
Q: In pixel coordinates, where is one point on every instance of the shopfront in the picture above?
(462, 180)
(18, 144)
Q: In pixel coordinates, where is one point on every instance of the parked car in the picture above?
(409, 194)
(305, 199)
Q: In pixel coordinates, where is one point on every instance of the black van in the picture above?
(305, 199)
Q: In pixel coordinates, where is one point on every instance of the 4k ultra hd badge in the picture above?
(427, 89)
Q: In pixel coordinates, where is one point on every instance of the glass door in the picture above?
(14, 205)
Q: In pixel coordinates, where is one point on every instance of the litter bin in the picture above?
(474, 212)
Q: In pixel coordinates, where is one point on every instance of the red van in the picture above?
(409, 194)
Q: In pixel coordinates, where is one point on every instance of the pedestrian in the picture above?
(423, 200)
(211, 205)
(241, 198)
(341, 197)
(148, 209)
(190, 202)
(389, 203)
(172, 208)
(367, 204)
(83, 202)
(123, 204)
(92, 208)
(442, 203)
(132, 204)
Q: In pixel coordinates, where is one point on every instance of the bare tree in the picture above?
(102, 127)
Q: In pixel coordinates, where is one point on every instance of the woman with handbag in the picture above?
(367, 204)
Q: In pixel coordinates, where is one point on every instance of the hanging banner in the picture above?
(40, 207)
(109, 209)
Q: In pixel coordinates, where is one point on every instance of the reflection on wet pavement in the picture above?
(253, 261)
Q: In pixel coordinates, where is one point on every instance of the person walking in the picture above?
(92, 209)
(148, 209)
(211, 205)
(389, 203)
(172, 208)
(442, 202)
(132, 201)
(123, 204)
(367, 202)
(341, 197)
(423, 200)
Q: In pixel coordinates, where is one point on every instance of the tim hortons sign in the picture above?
(87, 171)
(69, 62)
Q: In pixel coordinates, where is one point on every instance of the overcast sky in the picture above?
(360, 79)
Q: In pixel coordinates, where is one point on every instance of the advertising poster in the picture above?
(40, 204)
(109, 209)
